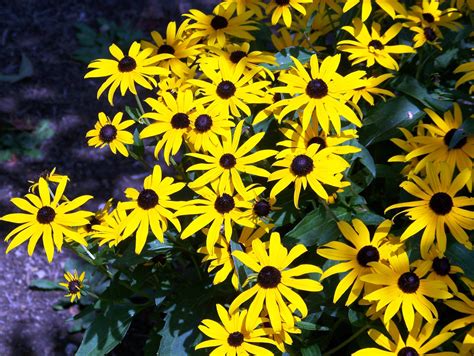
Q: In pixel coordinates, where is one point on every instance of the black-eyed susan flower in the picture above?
(437, 267)
(370, 88)
(171, 120)
(231, 89)
(275, 280)
(243, 6)
(430, 14)
(110, 230)
(215, 29)
(178, 45)
(430, 35)
(464, 305)
(402, 289)
(311, 166)
(74, 285)
(126, 70)
(418, 342)
(220, 208)
(97, 219)
(282, 9)
(52, 177)
(391, 7)
(322, 92)
(234, 336)
(226, 160)
(407, 145)
(47, 218)
(111, 133)
(150, 208)
(437, 207)
(262, 208)
(468, 69)
(373, 47)
(356, 257)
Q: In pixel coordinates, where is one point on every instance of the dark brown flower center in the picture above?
(93, 221)
(441, 203)
(449, 136)
(269, 277)
(219, 22)
(108, 133)
(203, 123)
(367, 254)
(227, 161)
(127, 64)
(165, 49)
(226, 89)
(45, 215)
(74, 286)
(180, 121)
(302, 165)
(441, 266)
(282, 2)
(224, 203)
(407, 351)
(235, 339)
(429, 34)
(262, 208)
(147, 199)
(428, 17)
(319, 140)
(376, 44)
(408, 282)
(317, 89)
(236, 56)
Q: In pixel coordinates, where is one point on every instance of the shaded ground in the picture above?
(44, 31)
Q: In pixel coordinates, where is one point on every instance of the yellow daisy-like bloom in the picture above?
(407, 145)
(215, 29)
(221, 207)
(126, 70)
(49, 177)
(97, 219)
(356, 258)
(74, 285)
(391, 7)
(437, 206)
(176, 44)
(231, 88)
(234, 336)
(429, 35)
(171, 120)
(438, 268)
(150, 208)
(322, 91)
(242, 6)
(372, 47)
(400, 288)
(429, 14)
(312, 166)
(435, 145)
(110, 231)
(111, 133)
(207, 125)
(463, 305)
(262, 208)
(274, 281)
(47, 218)
(468, 69)
(282, 9)
(418, 341)
(175, 84)
(370, 87)
(225, 162)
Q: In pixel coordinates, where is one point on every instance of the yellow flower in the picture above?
(74, 285)
(150, 208)
(468, 69)
(429, 14)
(282, 9)
(322, 92)
(234, 336)
(49, 177)
(370, 88)
(111, 133)
(97, 219)
(274, 281)
(225, 161)
(428, 34)
(391, 7)
(400, 288)
(110, 230)
(48, 219)
(126, 70)
(372, 47)
(255, 6)
(463, 305)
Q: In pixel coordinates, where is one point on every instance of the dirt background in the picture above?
(45, 32)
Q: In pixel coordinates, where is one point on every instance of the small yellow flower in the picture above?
(74, 285)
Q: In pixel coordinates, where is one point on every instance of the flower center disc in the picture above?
(219, 22)
(236, 56)
(147, 199)
(428, 17)
(407, 351)
(367, 254)
(74, 286)
(317, 89)
(180, 121)
(319, 140)
(268, 277)
(235, 339)
(227, 161)
(224, 203)
(45, 215)
(441, 266)
(376, 44)
(165, 49)
(302, 165)
(409, 282)
(203, 123)
(449, 136)
(262, 208)
(226, 89)
(108, 133)
(441, 203)
(429, 34)
(127, 64)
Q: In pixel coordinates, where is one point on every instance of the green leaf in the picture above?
(462, 257)
(443, 60)
(107, 330)
(312, 350)
(25, 71)
(284, 60)
(44, 284)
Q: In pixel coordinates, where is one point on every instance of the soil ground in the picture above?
(45, 32)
